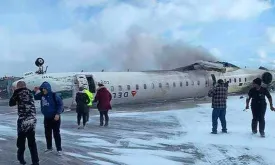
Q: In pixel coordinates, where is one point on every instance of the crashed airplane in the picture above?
(192, 81)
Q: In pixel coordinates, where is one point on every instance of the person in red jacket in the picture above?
(103, 97)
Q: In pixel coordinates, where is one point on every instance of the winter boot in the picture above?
(262, 134)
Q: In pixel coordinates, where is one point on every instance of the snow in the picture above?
(138, 157)
(196, 124)
(76, 155)
(5, 130)
(171, 137)
(94, 142)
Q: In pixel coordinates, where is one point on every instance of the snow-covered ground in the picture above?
(164, 137)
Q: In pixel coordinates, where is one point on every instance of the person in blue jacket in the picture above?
(51, 108)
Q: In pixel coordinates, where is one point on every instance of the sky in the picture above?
(115, 35)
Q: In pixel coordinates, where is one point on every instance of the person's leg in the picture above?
(48, 133)
(106, 118)
(56, 134)
(88, 115)
(254, 123)
(262, 120)
(78, 118)
(223, 119)
(84, 118)
(21, 141)
(33, 147)
(101, 118)
(215, 115)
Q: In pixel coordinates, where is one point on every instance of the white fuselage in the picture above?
(138, 87)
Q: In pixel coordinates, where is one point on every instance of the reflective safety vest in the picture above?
(90, 95)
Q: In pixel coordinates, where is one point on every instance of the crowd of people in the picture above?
(258, 105)
(51, 108)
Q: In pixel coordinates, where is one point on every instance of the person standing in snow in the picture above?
(82, 109)
(103, 97)
(91, 97)
(219, 98)
(51, 108)
(26, 122)
(258, 105)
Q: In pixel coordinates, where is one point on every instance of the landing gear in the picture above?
(39, 62)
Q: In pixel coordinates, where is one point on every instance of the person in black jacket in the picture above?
(258, 105)
(26, 122)
(82, 101)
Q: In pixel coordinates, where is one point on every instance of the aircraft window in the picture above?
(186, 83)
(145, 86)
(180, 84)
(153, 86)
(160, 85)
(229, 80)
(128, 87)
(198, 82)
(245, 79)
(167, 85)
(120, 88)
(240, 80)
(235, 80)
(137, 87)
(174, 84)
(112, 88)
(193, 83)
(206, 83)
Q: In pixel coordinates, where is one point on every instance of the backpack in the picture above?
(55, 101)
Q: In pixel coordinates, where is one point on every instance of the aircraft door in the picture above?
(81, 81)
(91, 84)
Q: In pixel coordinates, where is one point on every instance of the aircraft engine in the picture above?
(267, 78)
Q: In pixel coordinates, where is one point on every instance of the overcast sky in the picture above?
(72, 35)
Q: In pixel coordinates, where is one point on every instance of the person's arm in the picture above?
(59, 105)
(248, 99)
(226, 93)
(96, 98)
(110, 95)
(87, 99)
(267, 94)
(211, 92)
(92, 96)
(13, 99)
(37, 95)
(76, 98)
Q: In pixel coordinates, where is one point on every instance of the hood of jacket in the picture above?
(47, 86)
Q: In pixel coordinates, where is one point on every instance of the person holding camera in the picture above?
(219, 99)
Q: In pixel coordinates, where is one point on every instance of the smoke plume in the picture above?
(144, 52)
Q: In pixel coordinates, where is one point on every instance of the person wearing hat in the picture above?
(258, 105)
(103, 97)
(82, 100)
(219, 97)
